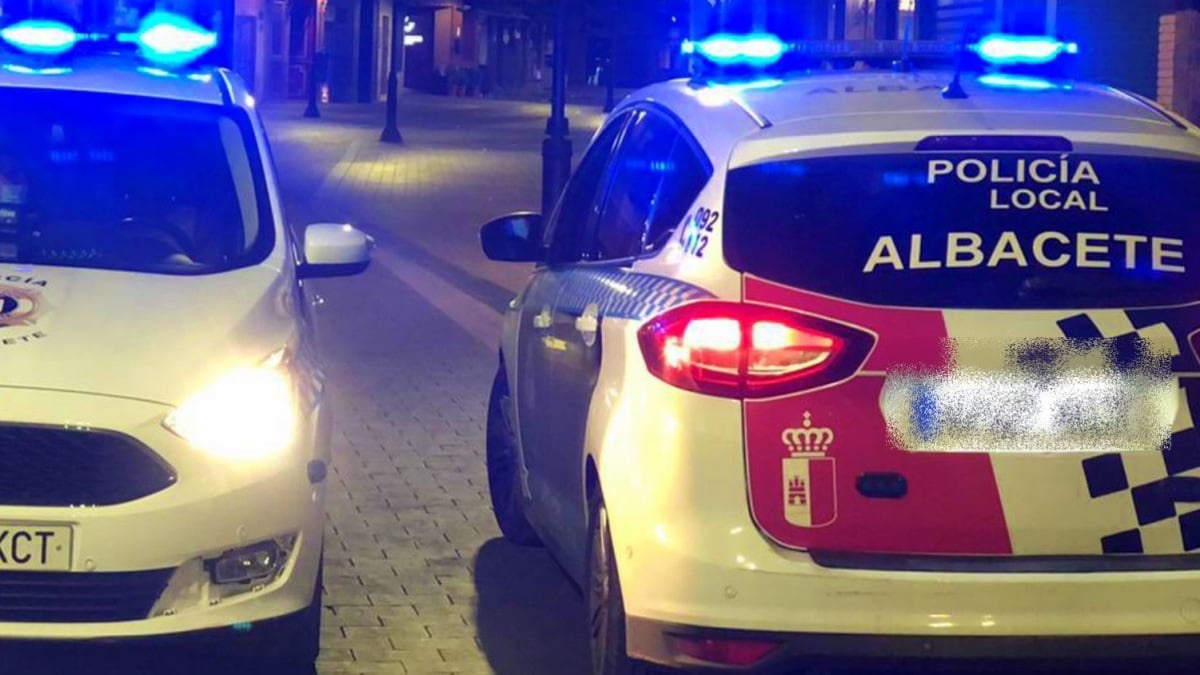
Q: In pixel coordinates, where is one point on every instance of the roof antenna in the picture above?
(954, 90)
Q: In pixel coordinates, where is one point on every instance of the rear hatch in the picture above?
(1032, 309)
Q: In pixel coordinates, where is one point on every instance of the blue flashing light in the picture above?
(170, 40)
(1017, 82)
(1002, 50)
(38, 36)
(758, 49)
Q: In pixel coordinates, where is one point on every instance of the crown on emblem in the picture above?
(808, 439)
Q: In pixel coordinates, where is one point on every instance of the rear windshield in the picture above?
(128, 183)
(984, 231)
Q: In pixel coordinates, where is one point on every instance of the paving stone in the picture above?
(408, 502)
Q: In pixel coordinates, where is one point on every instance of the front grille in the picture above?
(54, 466)
(80, 597)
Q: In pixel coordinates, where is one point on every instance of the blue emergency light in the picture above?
(1006, 50)
(164, 39)
(758, 49)
(170, 40)
(37, 36)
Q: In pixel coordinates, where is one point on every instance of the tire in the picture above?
(503, 469)
(606, 607)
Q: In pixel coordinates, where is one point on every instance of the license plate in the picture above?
(35, 548)
(1002, 412)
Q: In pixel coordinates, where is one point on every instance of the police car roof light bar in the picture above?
(757, 49)
(763, 49)
(164, 39)
(1002, 50)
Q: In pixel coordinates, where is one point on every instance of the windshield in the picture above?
(988, 231)
(127, 183)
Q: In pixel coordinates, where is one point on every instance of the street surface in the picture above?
(417, 578)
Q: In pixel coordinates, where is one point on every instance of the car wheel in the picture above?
(606, 608)
(503, 469)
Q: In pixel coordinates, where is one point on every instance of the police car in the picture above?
(164, 430)
(863, 363)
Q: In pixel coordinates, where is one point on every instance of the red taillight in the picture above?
(740, 653)
(749, 351)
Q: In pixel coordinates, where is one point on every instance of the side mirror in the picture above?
(333, 250)
(514, 238)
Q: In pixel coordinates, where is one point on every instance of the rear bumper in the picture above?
(754, 587)
(654, 641)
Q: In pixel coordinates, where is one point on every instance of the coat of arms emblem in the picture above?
(809, 489)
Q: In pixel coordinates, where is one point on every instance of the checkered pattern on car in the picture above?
(617, 294)
(1154, 499)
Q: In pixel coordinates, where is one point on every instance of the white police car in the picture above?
(164, 431)
(863, 364)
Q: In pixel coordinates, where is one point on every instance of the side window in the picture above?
(655, 178)
(567, 235)
(689, 173)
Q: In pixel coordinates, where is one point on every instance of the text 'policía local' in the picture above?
(1025, 185)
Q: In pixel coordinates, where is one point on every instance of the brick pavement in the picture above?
(417, 578)
(464, 162)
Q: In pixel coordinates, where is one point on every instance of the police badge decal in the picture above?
(809, 488)
(20, 309)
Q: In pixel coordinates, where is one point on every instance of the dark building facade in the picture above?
(485, 46)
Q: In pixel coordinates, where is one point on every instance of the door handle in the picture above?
(586, 324)
(543, 319)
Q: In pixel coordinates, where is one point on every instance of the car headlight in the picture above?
(250, 413)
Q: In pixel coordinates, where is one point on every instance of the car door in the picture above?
(652, 181)
(540, 395)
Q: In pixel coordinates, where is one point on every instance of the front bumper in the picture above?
(212, 508)
(656, 642)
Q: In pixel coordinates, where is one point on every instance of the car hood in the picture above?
(145, 336)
